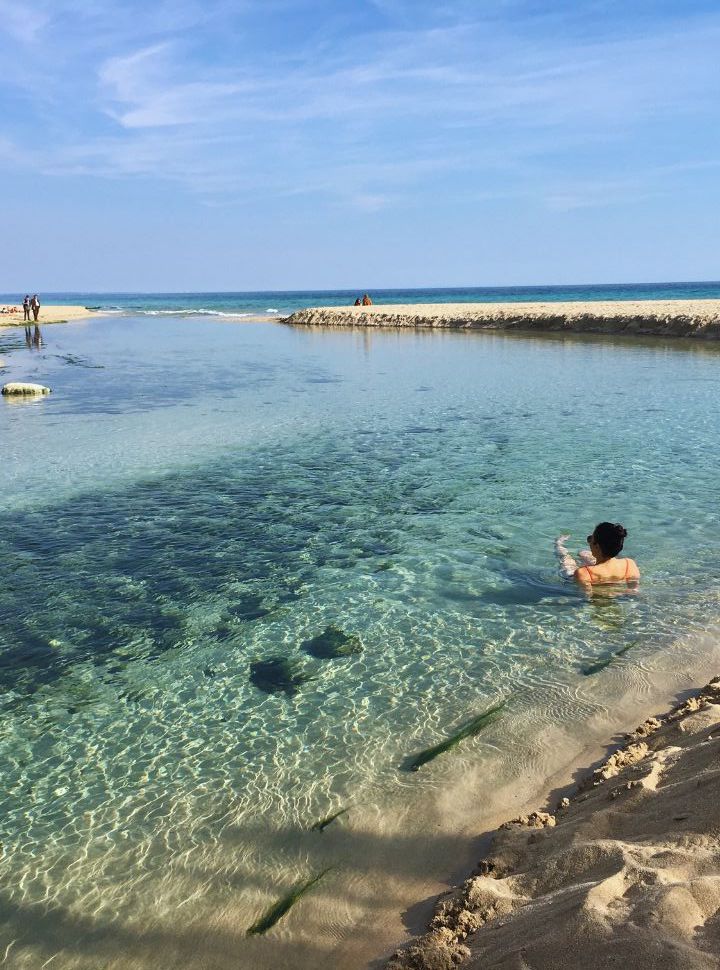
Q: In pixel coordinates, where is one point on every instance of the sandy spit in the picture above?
(667, 318)
(48, 314)
(624, 873)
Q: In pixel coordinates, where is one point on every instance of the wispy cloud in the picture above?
(207, 96)
(140, 92)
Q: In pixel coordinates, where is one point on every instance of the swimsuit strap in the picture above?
(590, 575)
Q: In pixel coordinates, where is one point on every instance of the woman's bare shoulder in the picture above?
(583, 576)
(633, 569)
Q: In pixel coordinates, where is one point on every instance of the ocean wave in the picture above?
(135, 311)
(189, 312)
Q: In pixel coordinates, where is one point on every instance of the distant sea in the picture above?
(280, 303)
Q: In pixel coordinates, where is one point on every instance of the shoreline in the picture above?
(698, 319)
(48, 314)
(442, 833)
(622, 864)
(59, 313)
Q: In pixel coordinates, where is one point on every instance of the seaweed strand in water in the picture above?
(467, 730)
(602, 664)
(282, 906)
(324, 822)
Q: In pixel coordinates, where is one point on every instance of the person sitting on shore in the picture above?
(358, 302)
(601, 565)
(366, 301)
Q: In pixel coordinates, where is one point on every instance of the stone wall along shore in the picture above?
(663, 318)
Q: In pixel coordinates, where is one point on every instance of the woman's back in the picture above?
(601, 565)
(611, 571)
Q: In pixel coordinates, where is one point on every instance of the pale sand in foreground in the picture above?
(48, 314)
(671, 318)
(625, 873)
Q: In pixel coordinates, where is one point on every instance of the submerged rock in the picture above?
(247, 607)
(224, 630)
(19, 387)
(332, 643)
(278, 675)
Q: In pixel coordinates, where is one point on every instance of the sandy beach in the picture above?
(667, 318)
(48, 314)
(624, 871)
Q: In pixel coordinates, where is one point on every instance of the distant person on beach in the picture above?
(366, 301)
(600, 564)
(26, 307)
(35, 304)
(358, 302)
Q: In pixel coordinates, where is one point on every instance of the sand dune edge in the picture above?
(627, 871)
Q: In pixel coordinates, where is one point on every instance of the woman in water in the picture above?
(601, 565)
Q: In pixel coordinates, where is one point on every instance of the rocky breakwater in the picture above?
(663, 318)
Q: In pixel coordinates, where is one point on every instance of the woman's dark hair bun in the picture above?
(610, 537)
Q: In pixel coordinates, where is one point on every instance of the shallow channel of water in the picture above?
(197, 497)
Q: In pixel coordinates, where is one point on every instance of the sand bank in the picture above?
(48, 314)
(624, 872)
(667, 318)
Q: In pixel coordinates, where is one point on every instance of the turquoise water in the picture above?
(273, 304)
(196, 496)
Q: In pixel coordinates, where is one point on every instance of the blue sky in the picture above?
(248, 144)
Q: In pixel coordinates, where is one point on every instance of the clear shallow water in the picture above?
(271, 304)
(196, 496)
